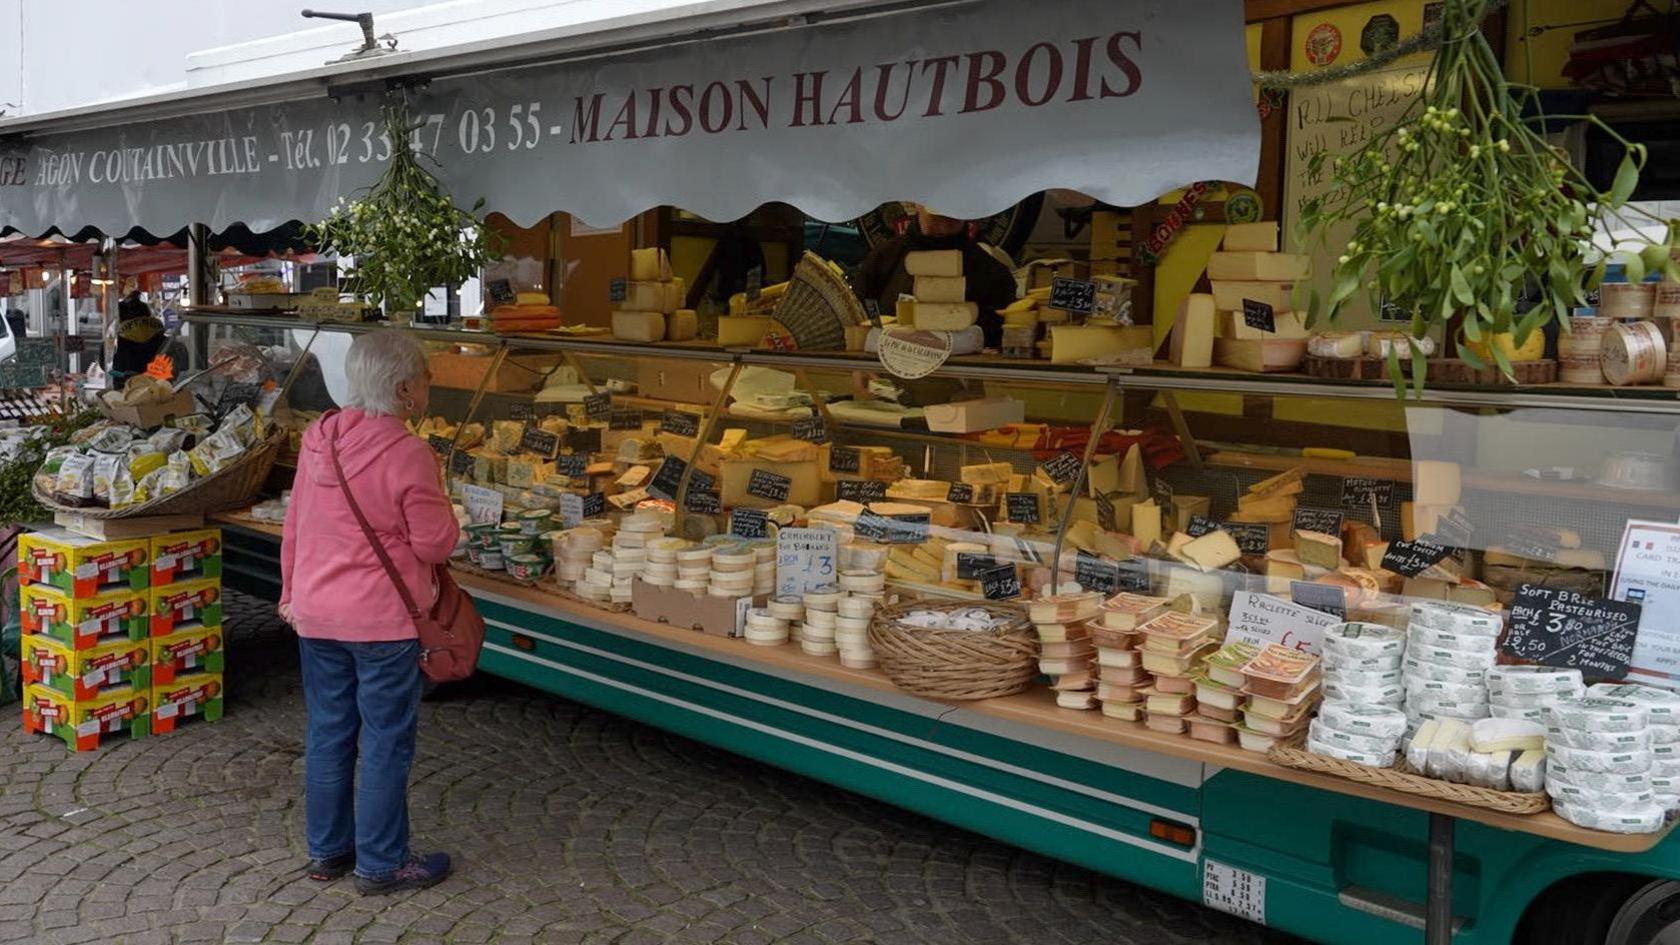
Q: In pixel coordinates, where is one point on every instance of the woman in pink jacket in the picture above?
(360, 649)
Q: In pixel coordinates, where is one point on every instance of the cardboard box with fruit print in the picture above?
(198, 694)
(81, 566)
(83, 725)
(84, 622)
(120, 665)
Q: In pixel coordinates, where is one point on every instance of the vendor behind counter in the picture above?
(991, 286)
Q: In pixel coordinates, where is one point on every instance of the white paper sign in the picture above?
(1261, 619)
(1235, 891)
(484, 506)
(571, 510)
(806, 559)
(1648, 574)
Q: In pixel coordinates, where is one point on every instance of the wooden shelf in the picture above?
(1036, 707)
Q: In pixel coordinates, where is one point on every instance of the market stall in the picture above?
(1158, 581)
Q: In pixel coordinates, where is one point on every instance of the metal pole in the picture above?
(1098, 428)
(1438, 927)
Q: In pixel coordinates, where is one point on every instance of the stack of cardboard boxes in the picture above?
(120, 636)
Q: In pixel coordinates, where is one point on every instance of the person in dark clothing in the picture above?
(140, 336)
(19, 322)
(991, 285)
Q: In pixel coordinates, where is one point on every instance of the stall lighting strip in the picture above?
(1191, 855)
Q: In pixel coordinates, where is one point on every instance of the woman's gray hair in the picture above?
(376, 363)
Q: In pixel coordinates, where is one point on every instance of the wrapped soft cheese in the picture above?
(1491, 735)
(1610, 762)
(1417, 747)
(1662, 706)
(1428, 705)
(1369, 744)
(1363, 719)
(1455, 618)
(1535, 714)
(1482, 661)
(1639, 820)
(1591, 797)
(1639, 740)
(1488, 769)
(1360, 664)
(1430, 638)
(1600, 781)
(1447, 672)
(1360, 640)
(1337, 691)
(1373, 759)
(1528, 772)
(1524, 680)
(1449, 751)
(1378, 679)
(1602, 715)
(1450, 691)
(1527, 700)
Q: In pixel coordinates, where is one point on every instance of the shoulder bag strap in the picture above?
(372, 539)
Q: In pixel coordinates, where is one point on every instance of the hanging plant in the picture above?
(405, 232)
(1462, 203)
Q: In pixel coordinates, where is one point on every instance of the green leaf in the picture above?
(1346, 285)
(1529, 323)
(1394, 372)
(1654, 256)
(1504, 362)
(1627, 179)
(1471, 358)
(1461, 286)
(1635, 265)
(1473, 324)
(1420, 368)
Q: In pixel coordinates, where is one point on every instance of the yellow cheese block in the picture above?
(645, 297)
(940, 289)
(1192, 332)
(1109, 344)
(1146, 523)
(1229, 296)
(1318, 549)
(638, 326)
(1018, 306)
(532, 298)
(1532, 350)
(741, 331)
(682, 325)
(1278, 508)
(1185, 507)
(676, 294)
(649, 265)
(986, 473)
(1258, 267)
(1212, 551)
(934, 262)
(1288, 482)
(946, 316)
(1435, 482)
(1288, 325)
(1251, 237)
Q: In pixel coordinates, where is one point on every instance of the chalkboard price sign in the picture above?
(1325, 598)
(584, 439)
(811, 430)
(1556, 627)
(618, 290)
(960, 492)
(970, 565)
(767, 485)
(1078, 296)
(749, 523)
(1259, 315)
(1022, 507)
(521, 411)
(572, 464)
(462, 463)
(1358, 491)
(543, 443)
(1412, 558)
(860, 490)
(1062, 468)
(1327, 521)
(594, 505)
(679, 422)
(1107, 519)
(1000, 583)
(501, 291)
(1134, 576)
(843, 459)
(597, 406)
(441, 445)
(703, 502)
(624, 420)
(1253, 538)
(1455, 529)
(665, 480)
(1096, 574)
(1200, 525)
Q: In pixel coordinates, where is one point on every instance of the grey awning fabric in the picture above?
(967, 107)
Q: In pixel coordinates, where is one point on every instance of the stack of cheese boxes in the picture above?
(613, 572)
(653, 298)
(1175, 647)
(1066, 653)
(1599, 765)
(1247, 267)
(120, 636)
(940, 291)
(1361, 719)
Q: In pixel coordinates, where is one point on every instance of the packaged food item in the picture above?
(105, 469)
(1370, 744)
(1369, 679)
(1639, 740)
(1299, 705)
(112, 440)
(1224, 666)
(1361, 664)
(1662, 706)
(1363, 641)
(1280, 673)
(1430, 638)
(1336, 691)
(1543, 680)
(1648, 819)
(1528, 772)
(1489, 770)
(75, 477)
(1363, 719)
(1598, 714)
(1617, 762)
(1372, 759)
(1454, 618)
(1535, 714)
(1479, 661)
(1417, 748)
(1426, 703)
(1491, 735)
(1449, 751)
(1444, 671)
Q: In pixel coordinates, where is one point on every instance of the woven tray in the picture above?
(231, 487)
(956, 664)
(817, 306)
(1402, 778)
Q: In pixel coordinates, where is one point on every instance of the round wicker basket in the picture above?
(230, 487)
(956, 664)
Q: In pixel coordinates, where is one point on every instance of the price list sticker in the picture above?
(1234, 891)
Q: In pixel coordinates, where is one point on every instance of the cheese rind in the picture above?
(934, 262)
(1318, 549)
(1258, 266)
(941, 289)
(946, 316)
(741, 330)
(1192, 332)
(1229, 296)
(682, 325)
(1146, 523)
(649, 265)
(1251, 237)
(1110, 344)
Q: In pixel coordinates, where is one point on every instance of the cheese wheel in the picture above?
(1634, 353)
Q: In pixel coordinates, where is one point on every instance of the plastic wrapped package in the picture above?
(1536, 714)
(1441, 689)
(1647, 819)
(1519, 680)
(1478, 661)
(1455, 618)
(1599, 715)
(1600, 741)
(1661, 705)
(1609, 762)
(1361, 664)
(1602, 782)
(1572, 794)
(1449, 751)
(1430, 705)
(1379, 679)
(1489, 769)
(1336, 691)
(1490, 735)
(1418, 743)
(1528, 772)
(1430, 638)
(1359, 640)
(1444, 671)
(1373, 759)
(1368, 744)
(1526, 700)
(1363, 719)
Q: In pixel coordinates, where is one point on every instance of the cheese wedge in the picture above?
(1212, 551)
(1251, 237)
(1186, 507)
(1107, 344)
(934, 262)
(1277, 508)
(1192, 332)
(741, 331)
(1288, 482)
(941, 289)
(1229, 296)
(638, 326)
(1146, 523)
(1318, 549)
(649, 265)
(946, 316)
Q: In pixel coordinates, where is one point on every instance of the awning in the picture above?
(965, 106)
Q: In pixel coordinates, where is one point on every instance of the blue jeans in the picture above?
(366, 693)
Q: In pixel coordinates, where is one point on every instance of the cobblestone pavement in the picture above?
(569, 826)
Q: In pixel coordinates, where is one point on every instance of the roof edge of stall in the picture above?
(686, 23)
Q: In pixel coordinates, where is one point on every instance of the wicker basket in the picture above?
(956, 664)
(817, 306)
(231, 487)
(1403, 778)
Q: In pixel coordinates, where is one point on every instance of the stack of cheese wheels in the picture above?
(791, 608)
(816, 635)
(660, 569)
(851, 631)
(629, 552)
(1580, 346)
(732, 570)
(764, 628)
(694, 569)
(576, 547)
(764, 567)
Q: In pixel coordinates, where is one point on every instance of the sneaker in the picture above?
(421, 871)
(330, 868)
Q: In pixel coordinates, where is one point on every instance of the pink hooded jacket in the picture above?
(334, 584)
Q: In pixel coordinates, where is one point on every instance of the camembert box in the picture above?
(199, 694)
(82, 566)
(186, 556)
(86, 622)
(119, 665)
(83, 725)
(189, 605)
(186, 653)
